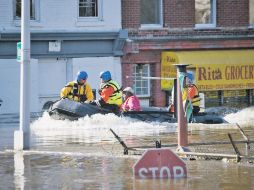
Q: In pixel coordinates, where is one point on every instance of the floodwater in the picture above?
(84, 154)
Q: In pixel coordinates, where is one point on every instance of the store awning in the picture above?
(214, 70)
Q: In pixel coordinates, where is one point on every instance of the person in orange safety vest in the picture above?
(110, 93)
(193, 93)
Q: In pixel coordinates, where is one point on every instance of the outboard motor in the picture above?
(1, 102)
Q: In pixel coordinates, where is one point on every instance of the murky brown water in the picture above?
(85, 155)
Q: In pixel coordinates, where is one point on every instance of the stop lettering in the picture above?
(159, 163)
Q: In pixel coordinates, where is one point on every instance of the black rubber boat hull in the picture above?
(72, 110)
(68, 109)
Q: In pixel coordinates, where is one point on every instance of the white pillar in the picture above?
(24, 129)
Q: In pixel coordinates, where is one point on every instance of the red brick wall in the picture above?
(179, 33)
(232, 13)
(197, 44)
(142, 57)
(179, 13)
(158, 97)
(130, 13)
(127, 70)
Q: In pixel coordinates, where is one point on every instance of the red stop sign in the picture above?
(159, 163)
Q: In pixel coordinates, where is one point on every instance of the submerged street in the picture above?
(84, 154)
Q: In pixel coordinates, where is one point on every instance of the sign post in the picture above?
(159, 163)
(19, 52)
(22, 137)
(181, 118)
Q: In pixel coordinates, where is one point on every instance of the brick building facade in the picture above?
(229, 27)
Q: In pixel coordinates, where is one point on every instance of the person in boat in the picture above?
(78, 90)
(193, 93)
(187, 103)
(110, 93)
(131, 102)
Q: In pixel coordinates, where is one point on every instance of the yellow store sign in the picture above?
(225, 76)
(168, 70)
(214, 70)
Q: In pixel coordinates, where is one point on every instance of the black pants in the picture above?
(114, 108)
(195, 110)
(111, 107)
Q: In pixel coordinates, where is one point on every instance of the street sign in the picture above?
(19, 51)
(159, 163)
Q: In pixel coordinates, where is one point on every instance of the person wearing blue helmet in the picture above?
(193, 93)
(190, 95)
(78, 90)
(110, 93)
(105, 76)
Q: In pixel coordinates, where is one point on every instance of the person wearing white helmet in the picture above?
(78, 90)
(131, 102)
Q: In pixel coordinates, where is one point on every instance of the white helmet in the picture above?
(128, 89)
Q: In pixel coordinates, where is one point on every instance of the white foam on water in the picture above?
(244, 117)
(97, 127)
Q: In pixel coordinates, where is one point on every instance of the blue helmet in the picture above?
(190, 77)
(82, 75)
(105, 75)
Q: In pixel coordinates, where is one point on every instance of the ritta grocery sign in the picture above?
(214, 70)
(159, 163)
(226, 76)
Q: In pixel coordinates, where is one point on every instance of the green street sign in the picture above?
(19, 51)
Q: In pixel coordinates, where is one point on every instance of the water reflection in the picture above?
(19, 168)
(160, 184)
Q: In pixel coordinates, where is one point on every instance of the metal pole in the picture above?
(181, 118)
(24, 130)
(175, 98)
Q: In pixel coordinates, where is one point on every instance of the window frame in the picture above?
(251, 25)
(148, 81)
(214, 15)
(152, 26)
(99, 17)
(35, 5)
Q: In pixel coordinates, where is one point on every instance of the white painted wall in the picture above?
(10, 90)
(48, 77)
(51, 79)
(62, 15)
(94, 65)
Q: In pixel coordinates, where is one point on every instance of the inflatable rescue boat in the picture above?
(72, 110)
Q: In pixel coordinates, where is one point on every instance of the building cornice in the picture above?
(73, 44)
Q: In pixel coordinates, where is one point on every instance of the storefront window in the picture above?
(252, 13)
(151, 13)
(141, 80)
(205, 13)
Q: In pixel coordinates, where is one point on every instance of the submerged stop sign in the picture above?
(159, 163)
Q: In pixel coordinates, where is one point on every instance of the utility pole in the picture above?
(181, 118)
(22, 137)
